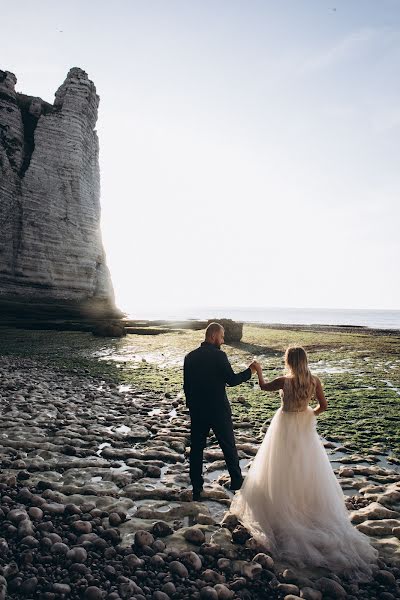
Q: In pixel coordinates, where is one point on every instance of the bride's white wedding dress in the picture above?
(291, 501)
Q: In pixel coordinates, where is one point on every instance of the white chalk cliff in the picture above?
(51, 251)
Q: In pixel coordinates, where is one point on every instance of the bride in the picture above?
(290, 500)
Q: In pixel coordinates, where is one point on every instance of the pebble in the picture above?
(158, 595)
(161, 529)
(169, 588)
(114, 519)
(310, 594)
(61, 588)
(288, 588)
(194, 535)
(143, 538)
(385, 577)
(331, 587)
(82, 526)
(94, 593)
(35, 513)
(208, 593)
(265, 560)
(211, 576)
(59, 548)
(191, 560)
(177, 568)
(77, 555)
(223, 592)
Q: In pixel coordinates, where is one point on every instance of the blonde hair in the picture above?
(297, 367)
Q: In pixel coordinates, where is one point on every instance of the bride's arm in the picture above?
(320, 396)
(269, 386)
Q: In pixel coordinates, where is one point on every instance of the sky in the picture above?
(249, 150)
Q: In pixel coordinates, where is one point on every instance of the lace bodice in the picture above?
(288, 400)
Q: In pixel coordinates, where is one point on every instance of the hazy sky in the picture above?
(249, 151)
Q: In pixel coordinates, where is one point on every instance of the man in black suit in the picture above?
(206, 372)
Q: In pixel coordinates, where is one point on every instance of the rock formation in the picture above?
(233, 330)
(52, 260)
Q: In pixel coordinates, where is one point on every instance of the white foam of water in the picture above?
(101, 447)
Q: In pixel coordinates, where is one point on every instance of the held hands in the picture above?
(255, 367)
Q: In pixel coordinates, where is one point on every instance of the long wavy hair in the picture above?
(296, 364)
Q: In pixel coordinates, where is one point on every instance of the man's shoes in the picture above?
(234, 487)
(197, 495)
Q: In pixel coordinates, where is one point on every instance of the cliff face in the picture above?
(51, 252)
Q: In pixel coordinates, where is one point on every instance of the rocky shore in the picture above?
(95, 501)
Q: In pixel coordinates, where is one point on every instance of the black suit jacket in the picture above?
(206, 372)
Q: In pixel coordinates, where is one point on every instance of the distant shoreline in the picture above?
(186, 324)
(328, 328)
(382, 319)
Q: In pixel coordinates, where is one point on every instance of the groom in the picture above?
(206, 372)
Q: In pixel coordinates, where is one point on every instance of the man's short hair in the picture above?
(213, 328)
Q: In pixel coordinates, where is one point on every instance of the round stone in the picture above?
(29, 541)
(29, 585)
(82, 526)
(224, 593)
(94, 593)
(61, 588)
(114, 519)
(143, 538)
(191, 560)
(77, 555)
(385, 577)
(194, 535)
(177, 568)
(161, 529)
(35, 513)
(212, 576)
(160, 596)
(132, 561)
(59, 548)
(169, 588)
(158, 546)
(17, 515)
(224, 564)
(157, 561)
(210, 549)
(265, 561)
(208, 593)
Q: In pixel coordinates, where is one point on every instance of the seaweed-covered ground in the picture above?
(360, 372)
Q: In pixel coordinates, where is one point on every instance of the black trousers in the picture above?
(221, 424)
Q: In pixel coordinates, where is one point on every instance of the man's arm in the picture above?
(230, 377)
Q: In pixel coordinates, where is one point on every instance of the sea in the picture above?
(375, 319)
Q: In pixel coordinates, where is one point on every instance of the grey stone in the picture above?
(224, 593)
(208, 593)
(194, 535)
(177, 568)
(143, 538)
(331, 588)
(310, 594)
